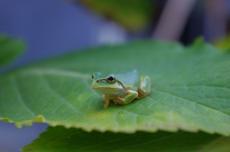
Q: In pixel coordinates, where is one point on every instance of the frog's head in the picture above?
(107, 84)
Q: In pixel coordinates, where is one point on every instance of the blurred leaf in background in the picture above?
(132, 14)
(60, 139)
(223, 43)
(9, 49)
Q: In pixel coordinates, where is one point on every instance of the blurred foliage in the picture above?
(9, 49)
(132, 14)
(60, 139)
(223, 43)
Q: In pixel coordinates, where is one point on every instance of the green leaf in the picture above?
(9, 49)
(59, 139)
(132, 14)
(190, 91)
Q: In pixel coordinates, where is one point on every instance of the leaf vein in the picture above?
(189, 100)
(64, 100)
(19, 96)
(64, 73)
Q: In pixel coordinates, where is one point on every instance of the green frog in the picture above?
(123, 88)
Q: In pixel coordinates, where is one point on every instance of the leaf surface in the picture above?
(59, 139)
(190, 91)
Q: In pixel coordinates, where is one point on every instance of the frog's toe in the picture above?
(145, 86)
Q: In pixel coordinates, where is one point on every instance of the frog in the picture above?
(121, 89)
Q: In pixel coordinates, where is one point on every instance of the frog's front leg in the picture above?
(144, 88)
(131, 95)
(106, 101)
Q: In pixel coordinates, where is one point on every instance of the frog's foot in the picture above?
(145, 86)
(132, 95)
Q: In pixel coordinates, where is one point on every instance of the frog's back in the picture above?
(130, 79)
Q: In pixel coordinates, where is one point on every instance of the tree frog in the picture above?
(121, 89)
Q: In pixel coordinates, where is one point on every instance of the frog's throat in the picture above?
(122, 85)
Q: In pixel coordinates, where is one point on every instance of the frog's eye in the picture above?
(92, 76)
(110, 79)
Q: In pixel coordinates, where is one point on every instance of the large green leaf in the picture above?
(9, 49)
(59, 139)
(190, 91)
(132, 14)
